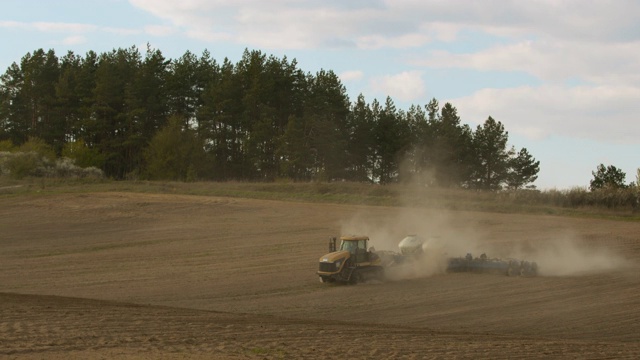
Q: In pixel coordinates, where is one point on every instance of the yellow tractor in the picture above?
(352, 263)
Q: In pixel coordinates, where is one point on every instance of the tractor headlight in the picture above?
(338, 263)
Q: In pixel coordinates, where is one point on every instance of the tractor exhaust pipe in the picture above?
(332, 244)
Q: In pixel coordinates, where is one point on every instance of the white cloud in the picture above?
(551, 61)
(351, 75)
(588, 112)
(208, 36)
(74, 40)
(12, 24)
(62, 27)
(406, 86)
(49, 26)
(158, 30)
(290, 24)
(599, 21)
(77, 29)
(446, 32)
(400, 42)
(121, 31)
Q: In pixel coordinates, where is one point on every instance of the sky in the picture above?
(562, 76)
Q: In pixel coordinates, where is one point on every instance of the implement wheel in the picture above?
(512, 269)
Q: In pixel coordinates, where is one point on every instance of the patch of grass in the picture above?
(524, 202)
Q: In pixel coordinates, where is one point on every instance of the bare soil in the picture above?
(127, 275)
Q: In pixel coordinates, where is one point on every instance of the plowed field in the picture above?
(127, 275)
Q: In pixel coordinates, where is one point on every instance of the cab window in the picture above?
(349, 246)
(362, 245)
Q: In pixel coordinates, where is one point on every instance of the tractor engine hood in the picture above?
(334, 256)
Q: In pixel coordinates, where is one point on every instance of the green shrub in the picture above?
(40, 147)
(66, 168)
(83, 155)
(6, 145)
(19, 165)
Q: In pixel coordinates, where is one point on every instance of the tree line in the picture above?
(259, 119)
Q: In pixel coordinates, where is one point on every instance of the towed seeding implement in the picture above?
(509, 267)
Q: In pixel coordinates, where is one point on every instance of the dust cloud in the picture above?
(449, 233)
(441, 238)
(561, 254)
(567, 255)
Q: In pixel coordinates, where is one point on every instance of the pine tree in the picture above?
(360, 144)
(110, 121)
(490, 144)
(607, 177)
(523, 169)
(448, 144)
(325, 112)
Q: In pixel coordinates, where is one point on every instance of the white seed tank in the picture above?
(411, 244)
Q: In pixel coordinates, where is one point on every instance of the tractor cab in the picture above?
(357, 248)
